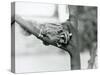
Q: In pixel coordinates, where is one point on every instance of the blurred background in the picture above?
(87, 25)
(33, 56)
(86, 17)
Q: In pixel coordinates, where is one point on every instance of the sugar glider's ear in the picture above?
(67, 25)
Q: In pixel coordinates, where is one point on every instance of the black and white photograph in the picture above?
(48, 37)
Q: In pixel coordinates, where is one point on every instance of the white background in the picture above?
(5, 37)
